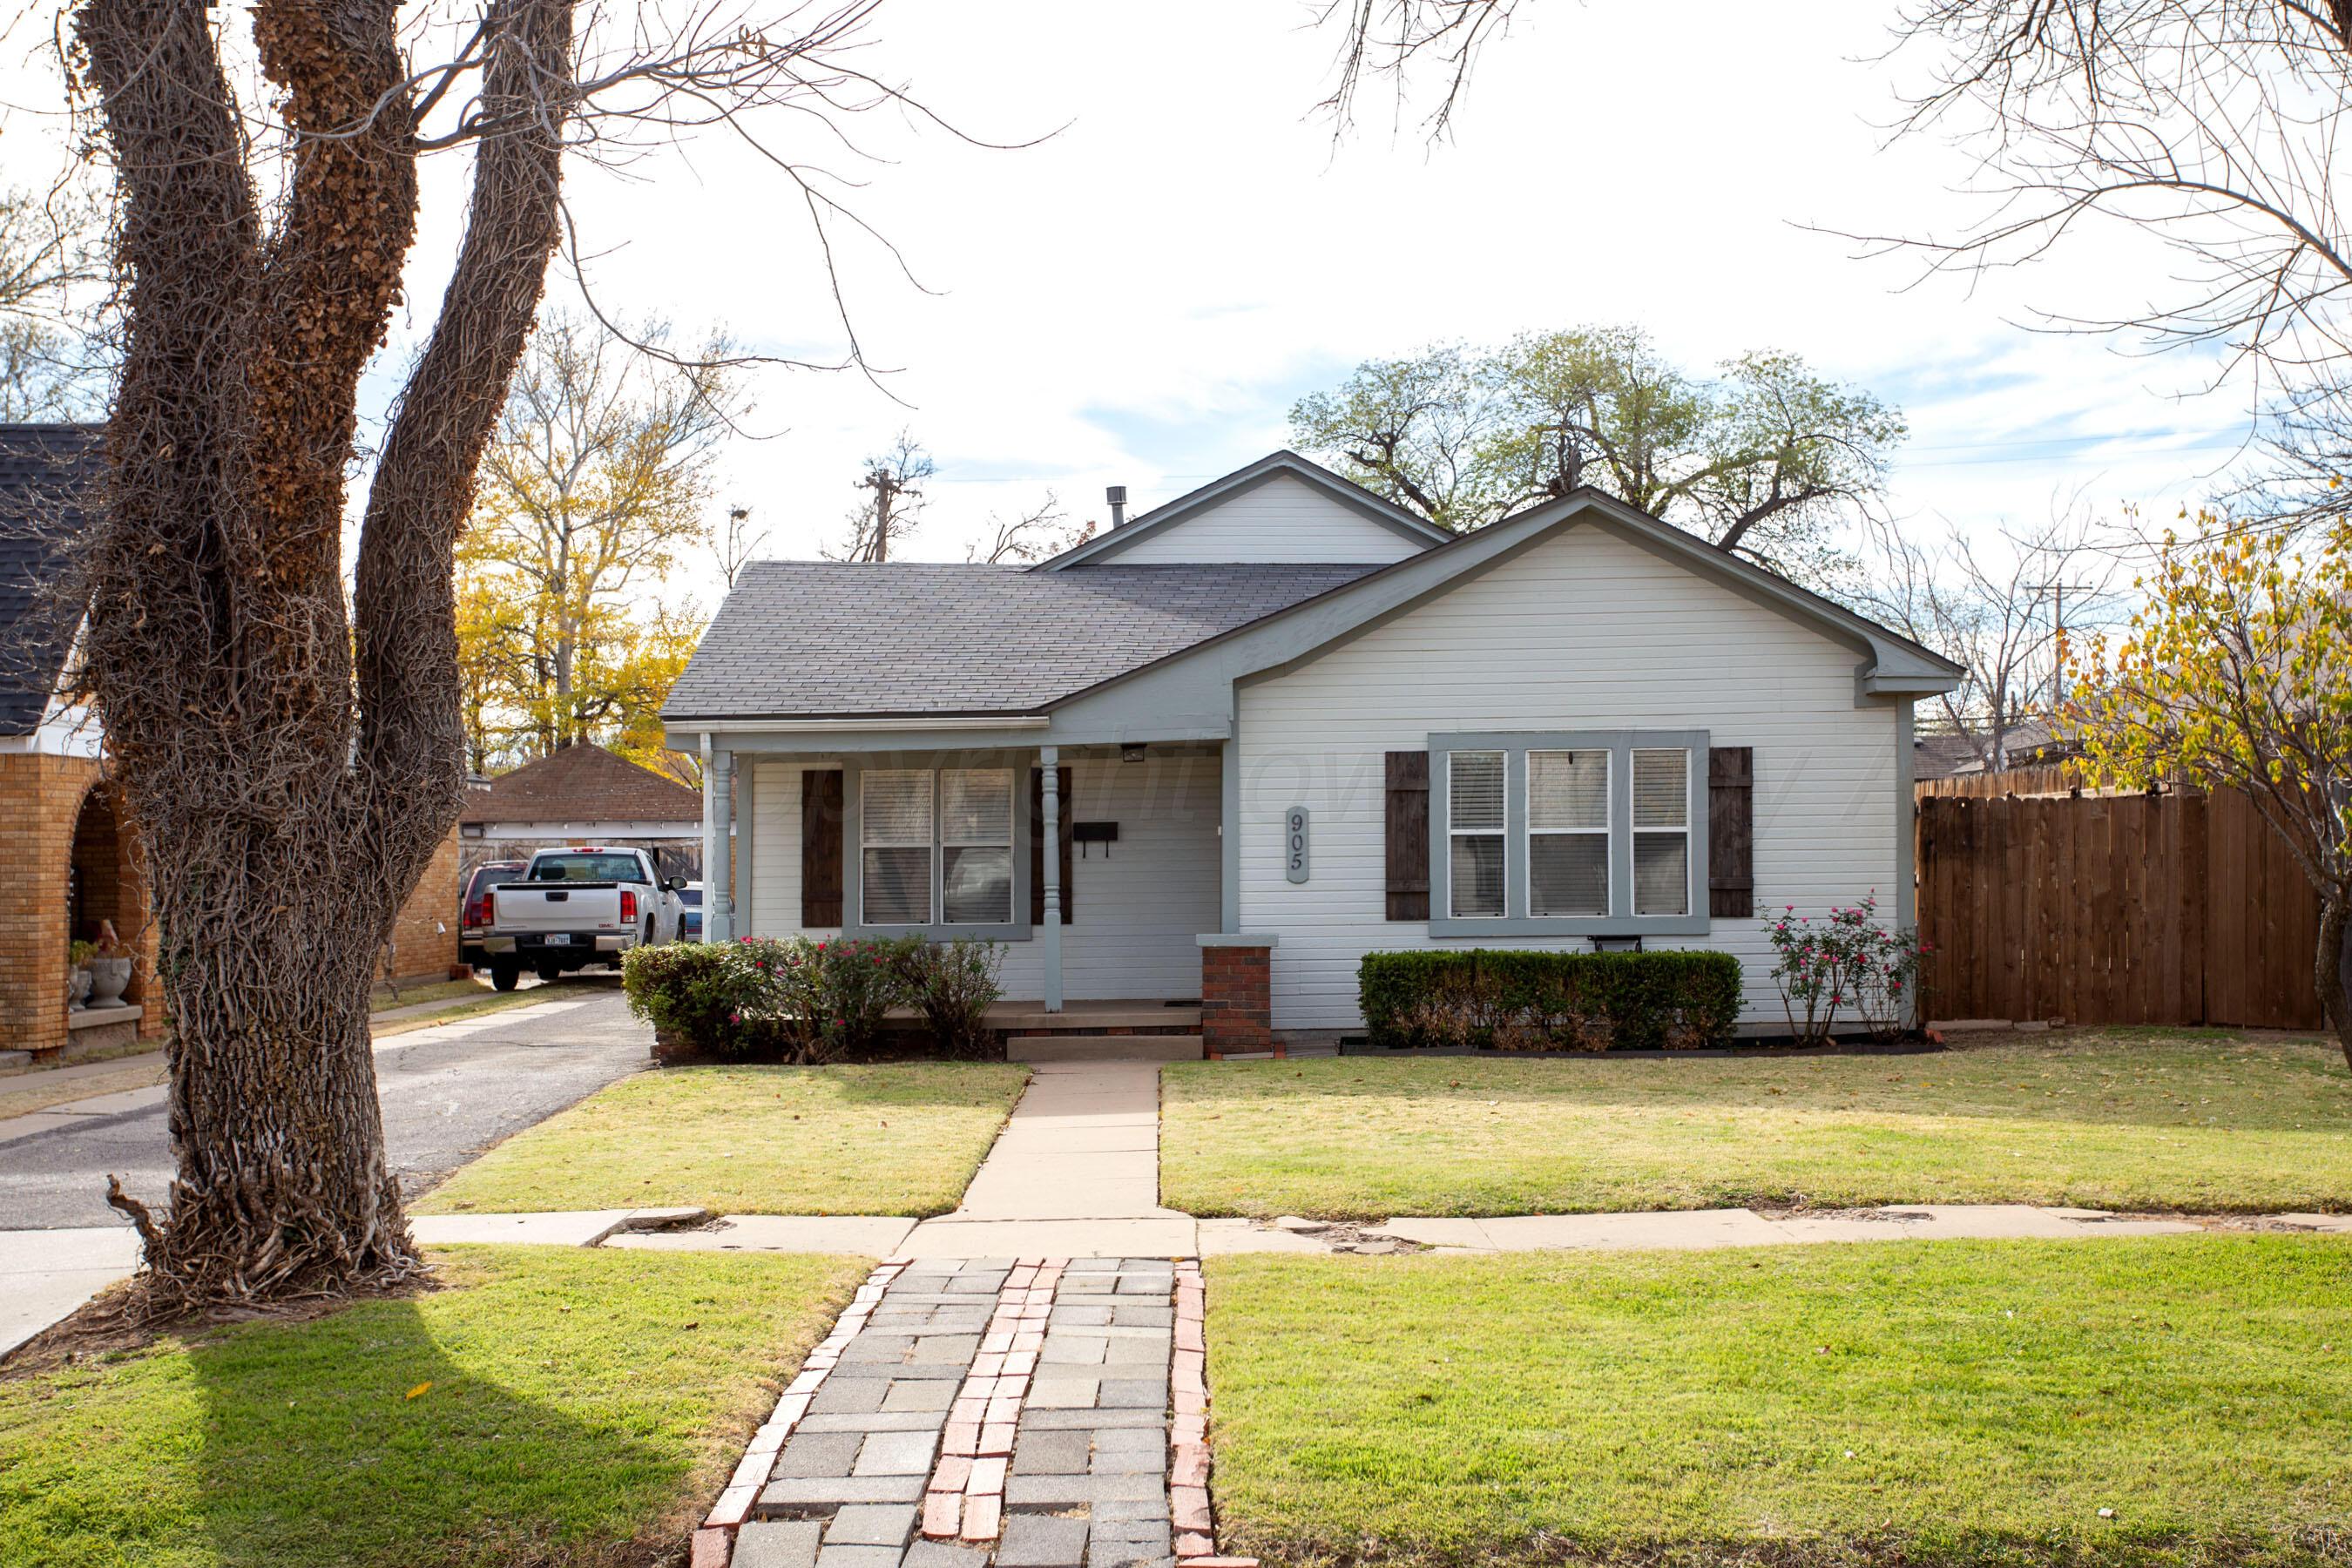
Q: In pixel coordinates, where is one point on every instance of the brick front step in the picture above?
(1103, 1048)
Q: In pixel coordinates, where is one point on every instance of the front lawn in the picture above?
(2190, 1120)
(891, 1140)
(1975, 1403)
(556, 1407)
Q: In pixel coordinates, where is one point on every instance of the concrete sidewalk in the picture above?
(1075, 1172)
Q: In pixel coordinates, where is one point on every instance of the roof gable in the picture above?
(1890, 664)
(583, 783)
(1280, 509)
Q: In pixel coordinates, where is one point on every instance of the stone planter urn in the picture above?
(108, 979)
(76, 989)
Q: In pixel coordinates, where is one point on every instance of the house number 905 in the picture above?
(1294, 844)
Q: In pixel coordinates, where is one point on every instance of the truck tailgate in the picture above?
(521, 907)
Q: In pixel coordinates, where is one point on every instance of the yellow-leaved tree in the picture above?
(2236, 673)
(600, 474)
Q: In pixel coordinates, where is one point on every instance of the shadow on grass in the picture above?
(371, 1438)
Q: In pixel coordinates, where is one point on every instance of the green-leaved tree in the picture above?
(1764, 456)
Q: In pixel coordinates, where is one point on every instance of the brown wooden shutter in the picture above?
(820, 848)
(1731, 832)
(1037, 845)
(1408, 836)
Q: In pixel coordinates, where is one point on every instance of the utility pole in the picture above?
(888, 486)
(2057, 592)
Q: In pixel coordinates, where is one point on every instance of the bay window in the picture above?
(1581, 833)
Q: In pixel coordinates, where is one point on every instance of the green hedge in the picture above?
(1516, 1000)
(798, 999)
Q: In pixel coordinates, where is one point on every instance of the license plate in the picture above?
(560, 939)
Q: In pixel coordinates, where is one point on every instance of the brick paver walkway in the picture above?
(1039, 1413)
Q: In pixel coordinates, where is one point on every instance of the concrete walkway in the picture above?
(1075, 1172)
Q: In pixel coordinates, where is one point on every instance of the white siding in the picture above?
(772, 790)
(1138, 903)
(1284, 519)
(1585, 631)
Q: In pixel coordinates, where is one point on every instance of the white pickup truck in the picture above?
(575, 907)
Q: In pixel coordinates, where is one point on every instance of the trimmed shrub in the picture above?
(800, 1000)
(1499, 999)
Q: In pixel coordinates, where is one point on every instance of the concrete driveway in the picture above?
(448, 1094)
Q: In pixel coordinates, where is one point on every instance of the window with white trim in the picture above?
(1476, 829)
(1568, 832)
(935, 847)
(1586, 832)
(1662, 828)
(894, 817)
(976, 845)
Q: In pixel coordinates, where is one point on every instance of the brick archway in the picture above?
(43, 801)
(104, 883)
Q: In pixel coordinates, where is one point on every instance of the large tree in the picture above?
(598, 477)
(2236, 673)
(291, 763)
(2206, 129)
(293, 756)
(1764, 456)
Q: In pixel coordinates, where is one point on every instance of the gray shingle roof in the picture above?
(49, 475)
(810, 639)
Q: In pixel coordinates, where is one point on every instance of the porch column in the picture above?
(743, 782)
(718, 845)
(1049, 803)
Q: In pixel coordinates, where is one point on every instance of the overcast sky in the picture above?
(1139, 299)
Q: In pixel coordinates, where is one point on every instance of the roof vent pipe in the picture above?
(1116, 496)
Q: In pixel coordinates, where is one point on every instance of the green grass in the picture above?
(2120, 1118)
(1890, 1403)
(895, 1139)
(577, 1408)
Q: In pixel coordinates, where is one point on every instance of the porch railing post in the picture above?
(1049, 799)
(718, 845)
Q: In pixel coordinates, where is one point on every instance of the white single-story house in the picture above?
(1277, 723)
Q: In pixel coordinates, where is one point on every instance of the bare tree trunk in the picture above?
(2331, 971)
(287, 798)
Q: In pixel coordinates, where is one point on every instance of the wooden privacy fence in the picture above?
(2179, 908)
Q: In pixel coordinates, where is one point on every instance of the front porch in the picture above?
(1124, 933)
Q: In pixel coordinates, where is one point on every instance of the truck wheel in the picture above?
(504, 974)
(550, 972)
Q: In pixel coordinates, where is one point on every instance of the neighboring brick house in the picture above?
(584, 795)
(73, 857)
(73, 860)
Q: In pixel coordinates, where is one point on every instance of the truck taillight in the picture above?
(628, 907)
(489, 909)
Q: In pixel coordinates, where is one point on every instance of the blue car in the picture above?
(689, 914)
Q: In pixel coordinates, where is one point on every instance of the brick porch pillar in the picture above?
(1237, 992)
